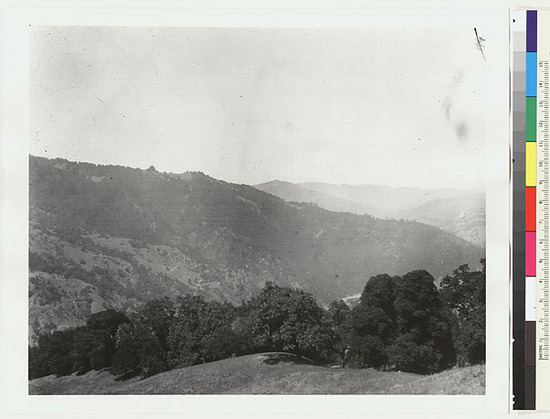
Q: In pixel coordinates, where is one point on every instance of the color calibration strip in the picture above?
(531, 225)
(524, 64)
(519, 208)
(530, 207)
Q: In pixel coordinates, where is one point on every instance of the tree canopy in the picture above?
(465, 294)
(401, 323)
(291, 320)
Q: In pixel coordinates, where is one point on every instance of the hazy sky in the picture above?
(400, 107)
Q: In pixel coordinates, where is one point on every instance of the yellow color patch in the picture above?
(531, 164)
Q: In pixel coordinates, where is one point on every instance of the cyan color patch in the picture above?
(531, 74)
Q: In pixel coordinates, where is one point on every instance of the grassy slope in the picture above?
(271, 373)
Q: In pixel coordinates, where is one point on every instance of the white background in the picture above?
(13, 368)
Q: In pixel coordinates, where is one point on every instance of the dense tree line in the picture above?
(401, 323)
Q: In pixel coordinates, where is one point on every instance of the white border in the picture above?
(13, 317)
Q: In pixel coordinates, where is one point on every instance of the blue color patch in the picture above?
(531, 74)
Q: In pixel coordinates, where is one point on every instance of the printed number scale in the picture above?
(543, 215)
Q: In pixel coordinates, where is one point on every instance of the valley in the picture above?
(114, 237)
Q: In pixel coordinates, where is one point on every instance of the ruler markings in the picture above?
(543, 222)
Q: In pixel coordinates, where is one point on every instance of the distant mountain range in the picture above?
(114, 237)
(456, 211)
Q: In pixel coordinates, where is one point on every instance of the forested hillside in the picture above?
(460, 212)
(115, 237)
(401, 323)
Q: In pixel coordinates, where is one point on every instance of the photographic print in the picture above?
(241, 210)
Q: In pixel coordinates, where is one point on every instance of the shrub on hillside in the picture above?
(292, 321)
(409, 354)
(464, 294)
(369, 351)
(373, 322)
(423, 327)
(77, 350)
(194, 324)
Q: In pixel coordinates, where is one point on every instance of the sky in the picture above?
(394, 106)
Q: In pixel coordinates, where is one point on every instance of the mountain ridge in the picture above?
(105, 236)
(461, 212)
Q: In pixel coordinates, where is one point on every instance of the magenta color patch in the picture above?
(530, 253)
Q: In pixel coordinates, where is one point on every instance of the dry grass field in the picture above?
(269, 373)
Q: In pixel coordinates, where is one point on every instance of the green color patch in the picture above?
(531, 119)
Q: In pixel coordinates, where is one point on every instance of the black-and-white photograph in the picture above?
(241, 210)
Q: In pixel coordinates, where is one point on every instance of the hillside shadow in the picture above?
(279, 358)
